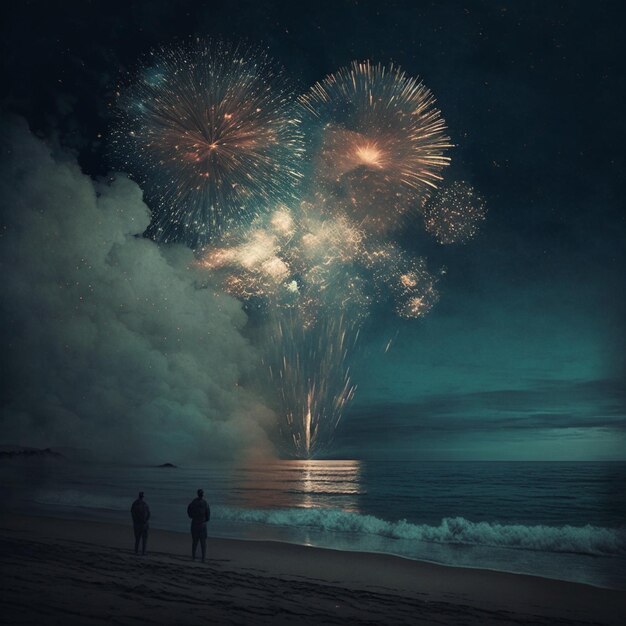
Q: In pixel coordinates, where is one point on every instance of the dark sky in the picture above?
(524, 355)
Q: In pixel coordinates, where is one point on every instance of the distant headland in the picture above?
(11, 452)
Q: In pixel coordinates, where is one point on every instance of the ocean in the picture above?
(558, 520)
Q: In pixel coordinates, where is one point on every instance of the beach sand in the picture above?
(55, 571)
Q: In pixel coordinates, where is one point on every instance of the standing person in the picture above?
(200, 513)
(140, 512)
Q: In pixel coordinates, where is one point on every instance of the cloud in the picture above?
(550, 420)
(545, 405)
(110, 342)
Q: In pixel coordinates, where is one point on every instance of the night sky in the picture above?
(523, 357)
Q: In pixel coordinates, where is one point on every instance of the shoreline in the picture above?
(397, 585)
(272, 534)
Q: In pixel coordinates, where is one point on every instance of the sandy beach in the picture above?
(57, 571)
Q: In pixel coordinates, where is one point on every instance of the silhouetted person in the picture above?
(200, 513)
(141, 514)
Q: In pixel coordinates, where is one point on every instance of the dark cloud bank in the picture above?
(110, 344)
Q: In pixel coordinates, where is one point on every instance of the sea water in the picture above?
(558, 520)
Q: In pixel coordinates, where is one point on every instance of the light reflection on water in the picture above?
(299, 484)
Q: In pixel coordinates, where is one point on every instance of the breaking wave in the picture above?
(592, 540)
(589, 540)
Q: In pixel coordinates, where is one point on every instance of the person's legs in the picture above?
(194, 545)
(144, 539)
(137, 538)
(203, 546)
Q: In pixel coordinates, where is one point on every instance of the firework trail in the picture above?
(309, 368)
(382, 142)
(210, 131)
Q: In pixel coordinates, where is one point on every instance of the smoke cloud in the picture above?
(110, 342)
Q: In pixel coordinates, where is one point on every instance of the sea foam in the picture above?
(587, 539)
(591, 540)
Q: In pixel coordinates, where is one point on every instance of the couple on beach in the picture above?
(198, 511)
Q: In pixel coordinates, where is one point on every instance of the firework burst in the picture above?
(455, 213)
(217, 142)
(295, 259)
(210, 131)
(382, 141)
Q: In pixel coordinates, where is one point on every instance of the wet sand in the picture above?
(55, 571)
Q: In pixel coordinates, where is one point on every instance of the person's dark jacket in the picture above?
(141, 513)
(199, 512)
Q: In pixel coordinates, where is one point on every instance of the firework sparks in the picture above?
(214, 138)
(455, 213)
(406, 278)
(308, 262)
(383, 142)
